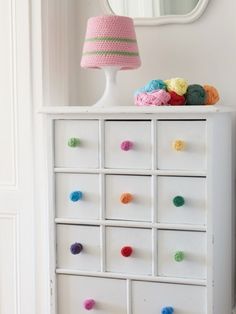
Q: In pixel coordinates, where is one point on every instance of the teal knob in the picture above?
(75, 196)
(179, 256)
(167, 310)
(178, 201)
(73, 142)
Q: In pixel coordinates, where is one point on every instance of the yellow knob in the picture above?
(178, 145)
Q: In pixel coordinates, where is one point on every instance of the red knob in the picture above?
(126, 251)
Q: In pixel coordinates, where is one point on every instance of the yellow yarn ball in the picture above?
(177, 85)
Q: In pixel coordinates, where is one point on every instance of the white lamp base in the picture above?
(111, 95)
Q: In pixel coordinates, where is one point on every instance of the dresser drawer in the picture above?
(181, 145)
(181, 254)
(128, 197)
(181, 200)
(78, 247)
(76, 143)
(128, 250)
(128, 144)
(77, 196)
(153, 298)
(75, 293)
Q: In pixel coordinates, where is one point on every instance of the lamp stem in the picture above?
(110, 96)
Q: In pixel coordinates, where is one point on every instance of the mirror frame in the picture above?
(167, 19)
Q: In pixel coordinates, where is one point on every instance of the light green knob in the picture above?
(179, 256)
(73, 142)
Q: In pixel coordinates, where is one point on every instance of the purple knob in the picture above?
(126, 145)
(76, 248)
(89, 304)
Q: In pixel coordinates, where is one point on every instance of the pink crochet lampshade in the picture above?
(110, 44)
(110, 41)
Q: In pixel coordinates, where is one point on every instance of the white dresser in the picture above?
(141, 210)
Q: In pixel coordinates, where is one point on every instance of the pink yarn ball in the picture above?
(155, 98)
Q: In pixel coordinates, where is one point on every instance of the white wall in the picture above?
(17, 247)
(202, 52)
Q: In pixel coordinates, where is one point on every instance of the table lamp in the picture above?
(110, 44)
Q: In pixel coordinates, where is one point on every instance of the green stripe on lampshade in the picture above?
(111, 52)
(116, 39)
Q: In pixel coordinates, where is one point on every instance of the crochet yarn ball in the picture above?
(212, 95)
(195, 95)
(155, 98)
(154, 85)
(177, 85)
(151, 86)
(176, 100)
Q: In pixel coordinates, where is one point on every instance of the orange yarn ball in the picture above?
(212, 95)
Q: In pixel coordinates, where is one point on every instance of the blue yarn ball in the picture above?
(151, 86)
(154, 85)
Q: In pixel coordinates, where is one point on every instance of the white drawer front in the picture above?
(119, 241)
(89, 256)
(181, 200)
(128, 197)
(77, 196)
(181, 145)
(84, 136)
(189, 248)
(152, 298)
(128, 144)
(74, 292)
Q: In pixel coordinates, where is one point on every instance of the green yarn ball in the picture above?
(195, 95)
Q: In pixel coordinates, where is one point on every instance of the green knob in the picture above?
(178, 201)
(179, 256)
(73, 142)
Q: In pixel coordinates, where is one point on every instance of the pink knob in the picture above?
(126, 145)
(89, 304)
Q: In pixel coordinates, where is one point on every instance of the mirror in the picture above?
(153, 12)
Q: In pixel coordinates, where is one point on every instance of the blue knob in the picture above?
(75, 196)
(167, 310)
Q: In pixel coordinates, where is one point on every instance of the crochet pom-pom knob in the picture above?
(126, 198)
(178, 145)
(178, 201)
(89, 304)
(126, 251)
(73, 142)
(167, 310)
(76, 248)
(75, 196)
(126, 145)
(179, 256)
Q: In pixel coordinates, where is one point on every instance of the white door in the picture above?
(16, 175)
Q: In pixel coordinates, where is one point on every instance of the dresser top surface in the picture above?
(136, 110)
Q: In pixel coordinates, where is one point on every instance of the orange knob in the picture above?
(126, 198)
